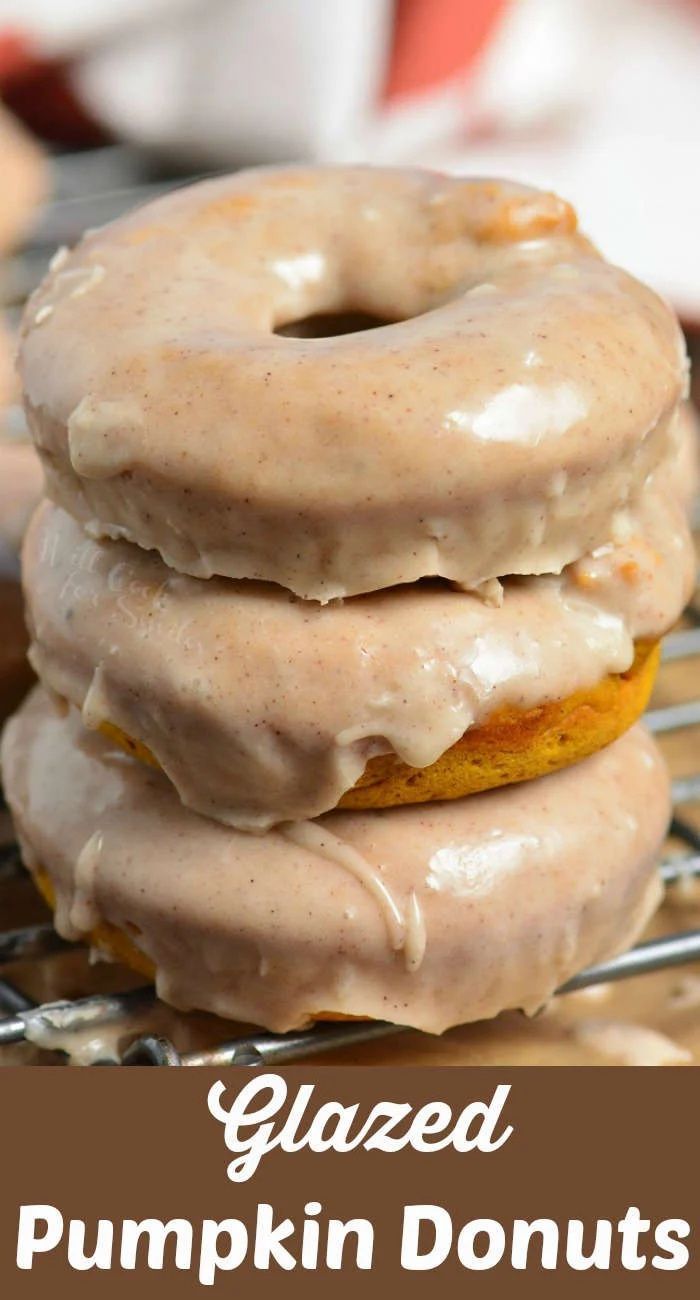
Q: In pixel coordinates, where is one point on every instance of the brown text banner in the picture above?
(188, 1182)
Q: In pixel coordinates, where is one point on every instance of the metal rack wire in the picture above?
(20, 1019)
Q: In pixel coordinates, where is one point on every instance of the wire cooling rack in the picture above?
(93, 188)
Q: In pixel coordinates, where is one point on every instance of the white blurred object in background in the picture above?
(598, 100)
(616, 129)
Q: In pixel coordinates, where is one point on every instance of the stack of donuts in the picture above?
(367, 512)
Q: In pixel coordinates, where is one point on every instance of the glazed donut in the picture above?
(262, 708)
(515, 396)
(24, 181)
(425, 916)
(683, 480)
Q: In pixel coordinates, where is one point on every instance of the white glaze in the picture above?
(262, 708)
(520, 399)
(517, 889)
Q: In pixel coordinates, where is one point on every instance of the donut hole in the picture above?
(328, 325)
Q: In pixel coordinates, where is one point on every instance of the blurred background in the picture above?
(106, 102)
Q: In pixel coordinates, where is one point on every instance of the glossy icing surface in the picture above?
(518, 400)
(428, 916)
(263, 708)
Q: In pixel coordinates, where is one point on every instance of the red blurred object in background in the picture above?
(435, 41)
(39, 93)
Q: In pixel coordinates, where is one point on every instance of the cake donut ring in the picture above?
(427, 916)
(263, 708)
(518, 396)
